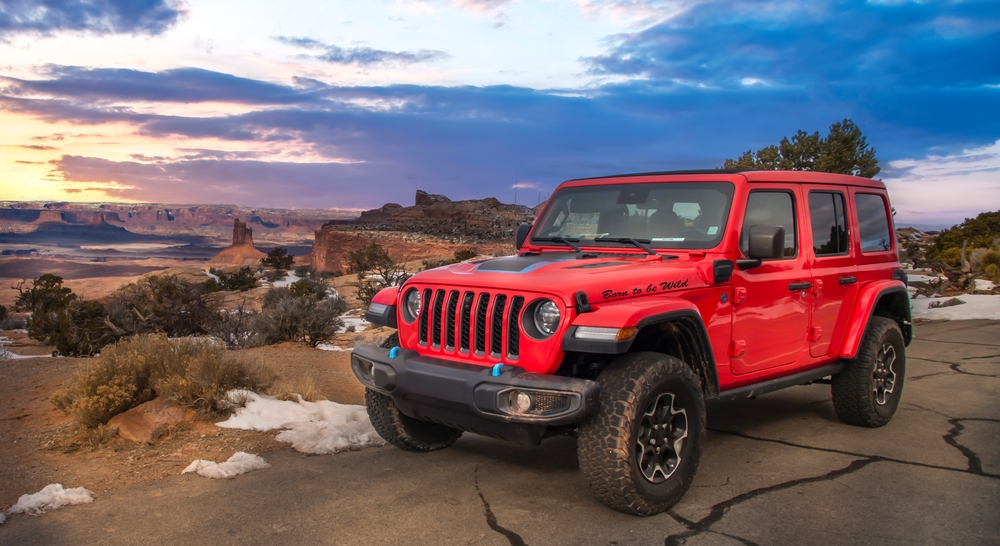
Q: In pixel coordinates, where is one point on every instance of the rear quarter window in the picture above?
(873, 222)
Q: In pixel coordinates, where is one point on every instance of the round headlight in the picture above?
(413, 304)
(547, 317)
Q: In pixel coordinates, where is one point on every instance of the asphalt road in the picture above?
(780, 469)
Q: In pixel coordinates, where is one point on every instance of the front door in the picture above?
(771, 301)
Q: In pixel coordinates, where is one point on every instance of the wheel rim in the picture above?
(884, 376)
(662, 430)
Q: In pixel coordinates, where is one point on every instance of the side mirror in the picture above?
(766, 243)
(522, 234)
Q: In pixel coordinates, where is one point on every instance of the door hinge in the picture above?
(815, 333)
(738, 348)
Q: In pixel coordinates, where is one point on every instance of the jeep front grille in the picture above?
(470, 322)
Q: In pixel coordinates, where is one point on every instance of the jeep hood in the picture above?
(603, 278)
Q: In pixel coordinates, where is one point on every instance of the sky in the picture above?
(355, 103)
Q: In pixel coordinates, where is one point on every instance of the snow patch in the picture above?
(287, 281)
(359, 323)
(3, 518)
(52, 496)
(311, 427)
(977, 307)
(329, 347)
(983, 284)
(240, 463)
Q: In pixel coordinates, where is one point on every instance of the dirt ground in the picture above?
(36, 439)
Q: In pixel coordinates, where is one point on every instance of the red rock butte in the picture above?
(241, 252)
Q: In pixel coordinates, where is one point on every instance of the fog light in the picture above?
(367, 369)
(523, 401)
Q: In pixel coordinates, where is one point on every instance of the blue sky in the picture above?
(351, 104)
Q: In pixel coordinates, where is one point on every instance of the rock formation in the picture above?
(481, 222)
(241, 252)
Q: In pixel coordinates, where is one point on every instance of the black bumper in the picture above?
(470, 397)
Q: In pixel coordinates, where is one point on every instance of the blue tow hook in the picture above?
(496, 370)
(393, 352)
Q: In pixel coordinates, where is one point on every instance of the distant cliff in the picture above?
(451, 225)
(213, 221)
(241, 252)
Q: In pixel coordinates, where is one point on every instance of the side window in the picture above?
(770, 208)
(829, 223)
(873, 223)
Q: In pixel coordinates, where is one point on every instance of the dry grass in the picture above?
(305, 387)
(192, 372)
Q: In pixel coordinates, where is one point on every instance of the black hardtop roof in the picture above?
(662, 173)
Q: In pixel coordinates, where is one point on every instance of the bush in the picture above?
(272, 275)
(242, 280)
(465, 254)
(990, 258)
(308, 288)
(278, 258)
(993, 273)
(46, 293)
(83, 329)
(303, 272)
(10, 322)
(192, 372)
(376, 270)
(161, 303)
(236, 328)
(951, 256)
(286, 317)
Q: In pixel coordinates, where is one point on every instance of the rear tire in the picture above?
(868, 391)
(641, 450)
(406, 432)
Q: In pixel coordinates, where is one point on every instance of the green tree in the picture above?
(45, 294)
(844, 150)
(983, 231)
(375, 270)
(278, 258)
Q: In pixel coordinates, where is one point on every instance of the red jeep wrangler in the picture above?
(635, 299)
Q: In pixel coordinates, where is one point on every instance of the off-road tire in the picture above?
(406, 432)
(856, 391)
(607, 446)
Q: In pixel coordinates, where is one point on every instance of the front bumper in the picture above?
(470, 397)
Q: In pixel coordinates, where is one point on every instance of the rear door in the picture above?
(832, 262)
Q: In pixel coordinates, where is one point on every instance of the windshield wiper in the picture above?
(641, 243)
(568, 241)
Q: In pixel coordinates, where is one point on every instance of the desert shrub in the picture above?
(161, 303)
(990, 258)
(434, 264)
(375, 270)
(465, 254)
(10, 322)
(951, 256)
(308, 288)
(278, 258)
(236, 328)
(981, 231)
(992, 273)
(290, 390)
(3, 312)
(272, 275)
(303, 272)
(241, 280)
(286, 317)
(83, 328)
(945, 303)
(193, 372)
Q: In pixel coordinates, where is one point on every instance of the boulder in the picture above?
(139, 423)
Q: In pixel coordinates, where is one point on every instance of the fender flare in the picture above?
(382, 311)
(867, 301)
(641, 315)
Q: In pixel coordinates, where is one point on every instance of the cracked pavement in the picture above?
(780, 469)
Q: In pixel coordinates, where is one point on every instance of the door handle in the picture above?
(796, 286)
(850, 279)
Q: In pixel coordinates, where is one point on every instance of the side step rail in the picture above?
(764, 387)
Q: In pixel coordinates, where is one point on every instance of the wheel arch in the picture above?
(888, 299)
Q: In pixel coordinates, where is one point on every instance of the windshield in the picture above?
(668, 215)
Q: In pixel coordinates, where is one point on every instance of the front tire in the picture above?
(641, 450)
(868, 391)
(403, 431)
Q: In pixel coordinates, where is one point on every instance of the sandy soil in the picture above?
(36, 448)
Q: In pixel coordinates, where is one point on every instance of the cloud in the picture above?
(958, 185)
(812, 44)
(362, 56)
(37, 147)
(94, 16)
(478, 7)
(183, 85)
